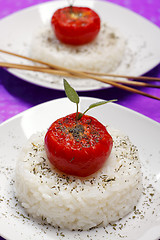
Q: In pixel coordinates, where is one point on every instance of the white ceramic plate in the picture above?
(140, 225)
(143, 38)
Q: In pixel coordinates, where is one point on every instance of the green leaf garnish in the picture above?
(95, 105)
(70, 92)
(73, 97)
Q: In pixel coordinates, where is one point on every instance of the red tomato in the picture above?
(75, 25)
(78, 147)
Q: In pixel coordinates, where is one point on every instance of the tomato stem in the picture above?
(77, 112)
(71, 8)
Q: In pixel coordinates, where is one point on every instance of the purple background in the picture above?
(17, 96)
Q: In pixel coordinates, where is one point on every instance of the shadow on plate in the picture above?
(34, 94)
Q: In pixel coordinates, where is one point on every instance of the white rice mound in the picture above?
(79, 203)
(104, 54)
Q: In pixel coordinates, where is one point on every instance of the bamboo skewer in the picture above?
(143, 78)
(65, 69)
(73, 73)
(58, 72)
(35, 69)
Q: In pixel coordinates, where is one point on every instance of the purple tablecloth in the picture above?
(17, 95)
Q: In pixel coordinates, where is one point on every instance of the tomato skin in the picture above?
(75, 25)
(78, 147)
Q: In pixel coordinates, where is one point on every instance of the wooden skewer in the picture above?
(64, 73)
(144, 78)
(91, 73)
(78, 74)
(35, 68)
(85, 75)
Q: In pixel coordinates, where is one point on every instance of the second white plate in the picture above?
(141, 224)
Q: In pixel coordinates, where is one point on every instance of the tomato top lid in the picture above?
(75, 25)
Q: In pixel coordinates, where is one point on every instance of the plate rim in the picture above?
(124, 108)
(53, 2)
(84, 98)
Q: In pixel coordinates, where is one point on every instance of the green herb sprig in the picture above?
(73, 97)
